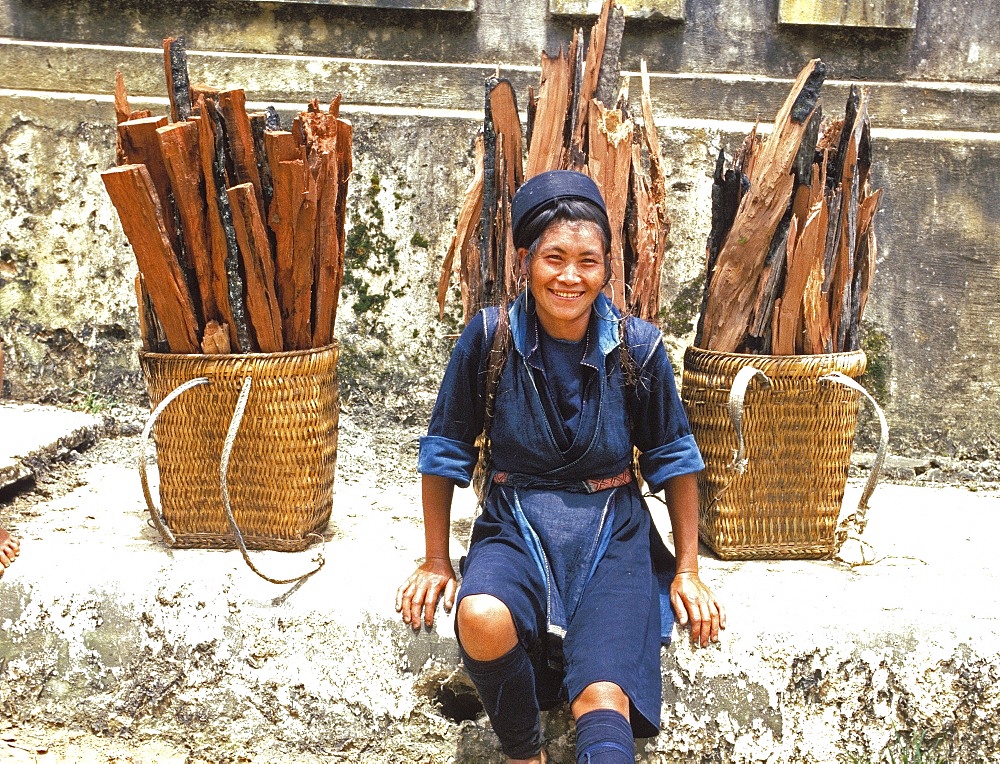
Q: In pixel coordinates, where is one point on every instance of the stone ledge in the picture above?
(34, 436)
(910, 105)
(821, 660)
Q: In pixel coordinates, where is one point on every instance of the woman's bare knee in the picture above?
(600, 695)
(485, 627)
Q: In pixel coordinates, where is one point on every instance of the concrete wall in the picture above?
(411, 81)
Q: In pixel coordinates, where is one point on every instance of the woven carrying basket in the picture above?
(776, 461)
(278, 469)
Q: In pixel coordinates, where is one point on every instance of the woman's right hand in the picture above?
(421, 591)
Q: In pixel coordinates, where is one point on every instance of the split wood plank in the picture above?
(262, 301)
(588, 87)
(134, 196)
(464, 236)
(345, 166)
(292, 218)
(239, 141)
(801, 259)
(507, 122)
(140, 144)
(577, 62)
(609, 75)
(122, 114)
(741, 259)
(609, 164)
(772, 281)
(546, 145)
(216, 339)
(149, 325)
(234, 276)
(328, 248)
(179, 146)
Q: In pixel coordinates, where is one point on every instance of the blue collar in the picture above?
(602, 333)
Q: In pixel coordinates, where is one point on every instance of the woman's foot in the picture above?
(9, 549)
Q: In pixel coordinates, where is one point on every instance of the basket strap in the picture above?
(857, 519)
(158, 519)
(227, 450)
(735, 406)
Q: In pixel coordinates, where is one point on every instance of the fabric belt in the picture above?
(592, 485)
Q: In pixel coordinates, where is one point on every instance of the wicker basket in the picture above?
(780, 498)
(277, 470)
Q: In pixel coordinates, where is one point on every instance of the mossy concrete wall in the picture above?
(411, 80)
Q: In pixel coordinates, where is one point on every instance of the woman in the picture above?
(560, 597)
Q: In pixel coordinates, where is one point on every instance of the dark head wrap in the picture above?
(539, 192)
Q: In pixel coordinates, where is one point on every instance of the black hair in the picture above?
(529, 233)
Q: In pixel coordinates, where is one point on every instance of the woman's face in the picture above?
(566, 274)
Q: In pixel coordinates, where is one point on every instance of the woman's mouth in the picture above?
(565, 295)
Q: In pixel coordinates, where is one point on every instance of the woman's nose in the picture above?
(569, 273)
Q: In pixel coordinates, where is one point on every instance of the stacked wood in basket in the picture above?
(578, 119)
(791, 253)
(237, 224)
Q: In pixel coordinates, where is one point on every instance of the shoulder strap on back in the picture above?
(496, 359)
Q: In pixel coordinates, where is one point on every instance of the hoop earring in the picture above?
(610, 314)
(527, 302)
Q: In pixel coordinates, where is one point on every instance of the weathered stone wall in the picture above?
(411, 81)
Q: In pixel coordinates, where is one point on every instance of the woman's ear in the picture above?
(522, 256)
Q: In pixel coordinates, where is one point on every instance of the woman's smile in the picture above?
(566, 274)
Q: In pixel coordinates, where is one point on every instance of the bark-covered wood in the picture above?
(609, 76)
(814, 300)
(234, 279)
(239, 142)
(178, 83)
(262, 301)
(149, 326)
(134, 197)
(216, 233)
(740, 263)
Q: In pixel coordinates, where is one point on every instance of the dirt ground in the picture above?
(372, 444)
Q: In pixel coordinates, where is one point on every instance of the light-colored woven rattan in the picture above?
(799, 436)
(283, 460)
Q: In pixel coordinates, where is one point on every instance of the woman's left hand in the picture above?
(693, 601)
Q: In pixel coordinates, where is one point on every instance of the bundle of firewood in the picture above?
(791, 253)
(237, 225)
(579, 119)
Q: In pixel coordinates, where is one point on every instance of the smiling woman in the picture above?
(565, 274)
(567, 587)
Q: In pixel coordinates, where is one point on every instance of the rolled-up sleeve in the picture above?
(449, 448)
(659, 425)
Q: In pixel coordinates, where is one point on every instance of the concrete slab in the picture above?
(33, 435)
(103, 628)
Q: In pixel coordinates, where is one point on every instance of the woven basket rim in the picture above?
(768, 357)
(202, 356)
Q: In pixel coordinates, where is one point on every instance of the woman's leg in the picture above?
(603, 732)
(499, 666)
